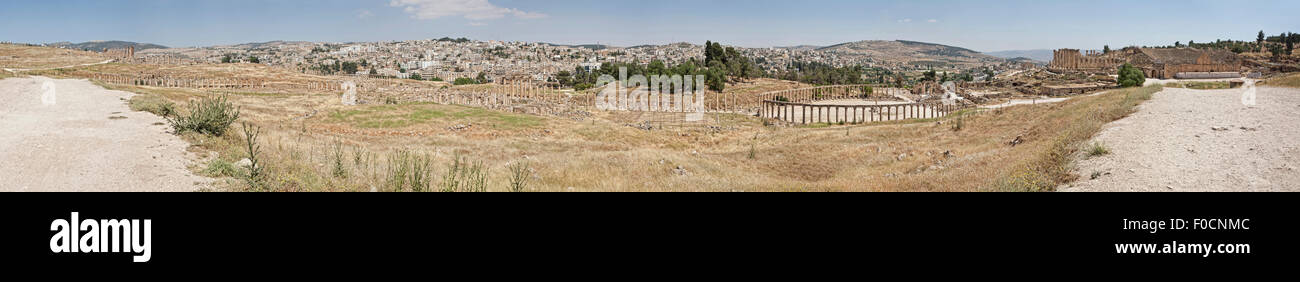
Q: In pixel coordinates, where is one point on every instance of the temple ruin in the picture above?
(122, 54)
(1071, 60)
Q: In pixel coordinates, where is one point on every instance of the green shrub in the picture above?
(1098, 149)
(340, 171)
(463, 177)
(1130, 76)
(220, 168)
(465, 81)
(256, 177)
(211, 116)
(409, 171)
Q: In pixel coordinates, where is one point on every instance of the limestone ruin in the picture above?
(1164, 63)
(349, 93)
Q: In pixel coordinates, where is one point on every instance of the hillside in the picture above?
(912, 53)
(596, 47)
(800, 47)
(101, 45)
(1041, 55)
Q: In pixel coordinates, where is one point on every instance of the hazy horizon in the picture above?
(982, 26)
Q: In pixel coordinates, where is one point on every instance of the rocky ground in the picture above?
(71, 135)
(1201, 140)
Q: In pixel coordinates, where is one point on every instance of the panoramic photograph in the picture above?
(663, 96)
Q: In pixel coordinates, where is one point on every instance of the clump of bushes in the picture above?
(1130, 76)
(1098, 149)
(465, 81)
(211, 116)
(465, 177)
(220, 168)
(409, 171)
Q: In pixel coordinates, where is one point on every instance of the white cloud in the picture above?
(470, 9)
(932, 21)
(477, 24)
(905, 20)
(362, 14)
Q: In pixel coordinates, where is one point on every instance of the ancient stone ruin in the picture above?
(124, 54)
(1164, 63)
(1071, 60)
(349, 93)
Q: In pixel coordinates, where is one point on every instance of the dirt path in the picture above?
(71, 135)
(1201, 140)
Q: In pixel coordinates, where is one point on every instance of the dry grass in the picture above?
(31, 57)
(1292, 80)
(601, 154)
(1048, 166)
(310, 142)
(426, 115)
(763, 85)
(1200, 85)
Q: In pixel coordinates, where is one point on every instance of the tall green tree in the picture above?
(1290, 42)
(348, 67)
(565, 78)
(716, 77)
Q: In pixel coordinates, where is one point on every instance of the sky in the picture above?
(979, 25)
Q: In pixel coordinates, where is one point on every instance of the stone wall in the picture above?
(1071, 60)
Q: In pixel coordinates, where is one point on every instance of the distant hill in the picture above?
(258, 45)
(912, 52)
(800, 47)
(595, 47)
(1026, 60)
(1041, 55)
(101, 45)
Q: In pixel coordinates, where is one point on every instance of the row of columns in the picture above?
(178, 82)
(166, 59)
(834, 92)
(120, 54)
(807, 113)
(1071, 59)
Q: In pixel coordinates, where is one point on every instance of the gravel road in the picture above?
(1201, 140)
(71, 135)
